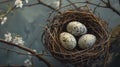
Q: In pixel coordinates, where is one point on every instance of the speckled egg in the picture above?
(86, 41)
(76, 28)
(67, 40)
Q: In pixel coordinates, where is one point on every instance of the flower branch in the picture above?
(28, 50)
(20, 53)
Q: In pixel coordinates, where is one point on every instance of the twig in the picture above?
(108, 5)
(78, 7)
(28, 50)
(119, 2)
(29, 5)
(84, 2)
(14, 51)
(94, 11)
(5, 1)
(42, 54)
(109, 1)
(60, 3)
(73, 4)
(103, 1)
(42, 3)
(95, 4)
(11, 9)
(13, 66)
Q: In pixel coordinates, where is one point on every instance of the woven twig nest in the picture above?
(95, 26)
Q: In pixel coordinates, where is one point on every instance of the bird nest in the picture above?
(94, 25)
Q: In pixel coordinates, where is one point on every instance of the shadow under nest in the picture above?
(96, 54)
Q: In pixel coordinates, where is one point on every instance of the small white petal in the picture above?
(28, 53)
(19, 3)
(34, 50)
(26, 1)
(3, 20)
(8, 37)
(28, 62)
(18, 40)
(56, 3)
(2, 23)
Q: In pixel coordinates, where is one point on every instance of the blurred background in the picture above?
(28, 22)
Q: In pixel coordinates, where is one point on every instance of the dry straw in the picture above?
(87, 56)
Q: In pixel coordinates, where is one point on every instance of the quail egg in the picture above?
(76, 28)
(86, 41)
(67, 40)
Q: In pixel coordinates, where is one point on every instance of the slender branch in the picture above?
(29, 5)
(42, 3)
(13, 66)
(79, 2)
(109, 1)
(60, 3)
(72, 4)
(28, 50)
(119, 2)
(108, 5)
(94, 11)
(95, 4)
(103, 1)
(5, 1)
(20, 53)
(15, 51)
(11, 9)
(114, 10)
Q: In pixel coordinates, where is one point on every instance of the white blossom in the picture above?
(26, 1)
(27, 62)
(18, 40)
(29, 53)
(19, 3)
(34, 50)
(8, 37)
(56, 3)
(3, 20)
